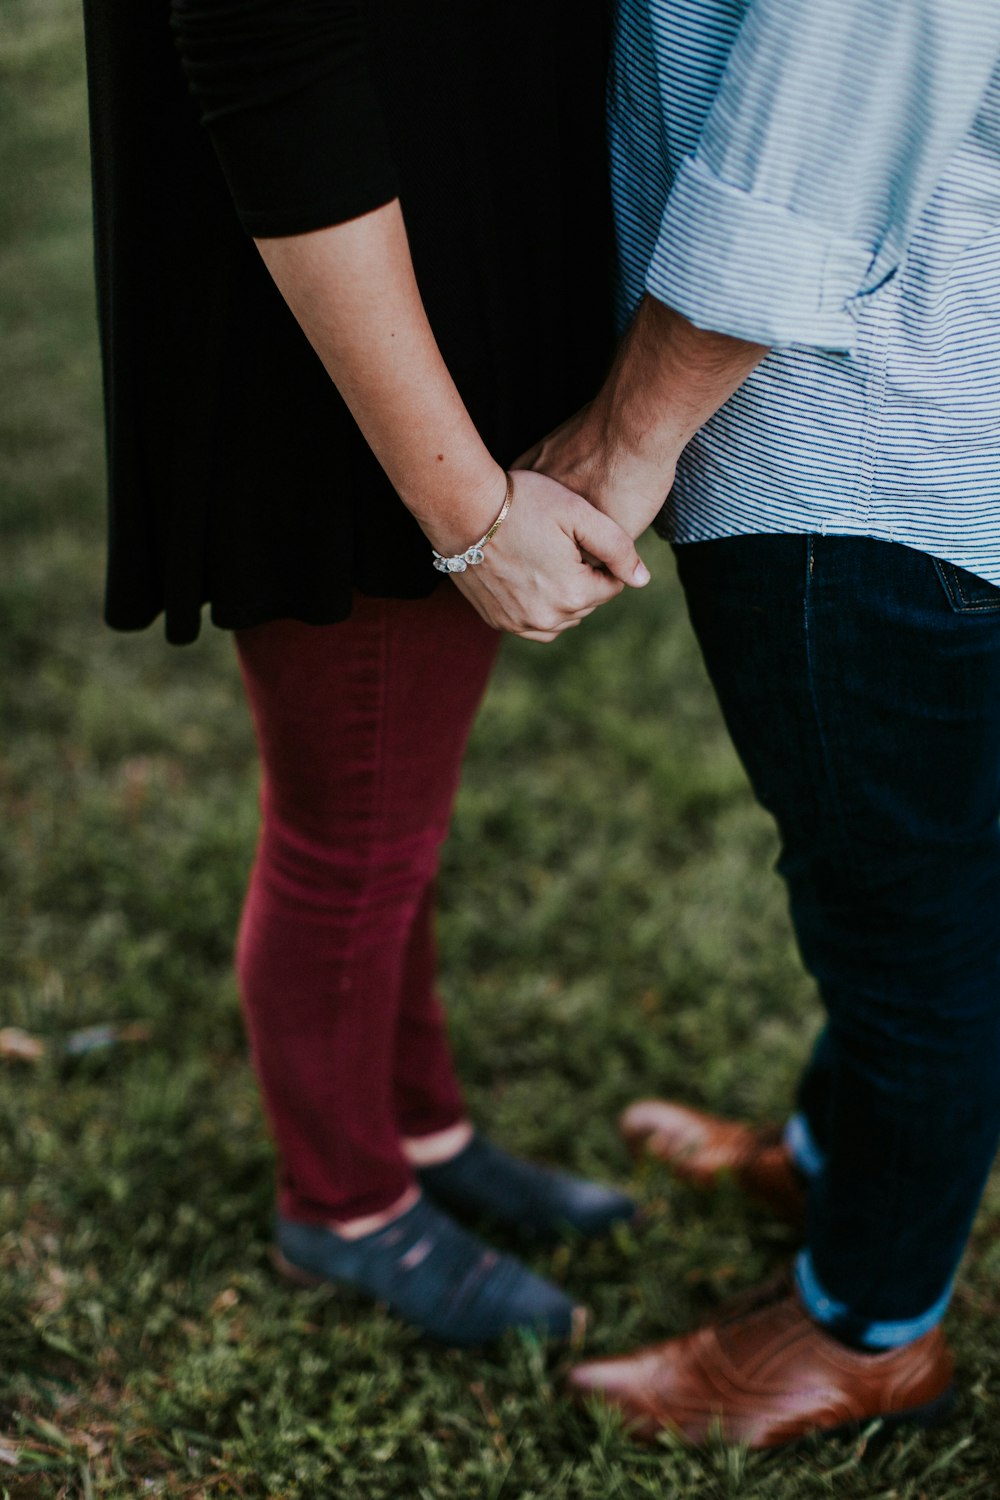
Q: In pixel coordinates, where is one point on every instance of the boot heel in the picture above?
(926, 1416)
(294, 1274)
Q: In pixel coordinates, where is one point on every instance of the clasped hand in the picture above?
(554, 561)
(616, 458)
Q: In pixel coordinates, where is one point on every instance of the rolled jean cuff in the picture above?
(839, 1320)
(802, 1147)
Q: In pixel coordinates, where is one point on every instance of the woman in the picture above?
(314, 495)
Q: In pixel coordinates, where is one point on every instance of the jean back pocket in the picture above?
(966, 591)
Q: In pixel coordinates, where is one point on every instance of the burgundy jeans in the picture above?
(361, 726)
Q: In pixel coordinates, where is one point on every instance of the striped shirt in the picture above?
(823, 176)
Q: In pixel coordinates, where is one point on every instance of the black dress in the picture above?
(237, 476)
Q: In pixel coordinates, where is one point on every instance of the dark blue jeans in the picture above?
(860, 681)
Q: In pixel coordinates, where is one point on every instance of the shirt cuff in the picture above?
(737, 264)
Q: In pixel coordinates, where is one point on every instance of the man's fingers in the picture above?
(527, 459)
(600, 588)
(604, 539)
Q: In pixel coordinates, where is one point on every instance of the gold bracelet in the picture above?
(473, 556)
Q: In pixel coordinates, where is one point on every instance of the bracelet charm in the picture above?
(473, 556)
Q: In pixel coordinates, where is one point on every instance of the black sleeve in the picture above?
(286, 95)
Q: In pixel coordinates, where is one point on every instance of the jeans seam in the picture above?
(959, 601)
(377, 806)
(831, 780)
(807, 632)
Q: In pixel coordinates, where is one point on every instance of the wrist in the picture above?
(456, 512)
(670, 377)
(475, 554)
(636, 454)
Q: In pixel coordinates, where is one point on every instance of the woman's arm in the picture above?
(285, 93)
(352, 289)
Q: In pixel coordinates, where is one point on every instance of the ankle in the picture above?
(356, 1229)
(441, 1146)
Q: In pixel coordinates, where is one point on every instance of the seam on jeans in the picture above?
(850, 857)
(945, 581)
(961, 603)
(831, 780)
(376, 802)
(378, 809)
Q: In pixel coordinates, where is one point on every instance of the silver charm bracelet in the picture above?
(473, 556)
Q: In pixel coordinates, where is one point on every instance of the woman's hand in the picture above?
(554, 560)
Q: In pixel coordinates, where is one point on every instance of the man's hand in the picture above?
(588, 456)
(668, 378)
(535, 580)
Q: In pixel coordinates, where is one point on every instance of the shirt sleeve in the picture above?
(829, 132)
(286, 94)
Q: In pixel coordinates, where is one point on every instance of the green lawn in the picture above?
(610, 927)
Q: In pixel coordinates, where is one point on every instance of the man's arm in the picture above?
(668, 378)
(829, 132)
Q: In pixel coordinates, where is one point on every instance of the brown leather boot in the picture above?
(701, 1148)
(768, 1375)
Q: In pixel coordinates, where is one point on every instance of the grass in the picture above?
(610, 927)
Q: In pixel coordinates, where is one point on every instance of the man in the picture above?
(808, 207)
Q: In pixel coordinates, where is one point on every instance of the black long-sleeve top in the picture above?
(286, 89)
(237, 476)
